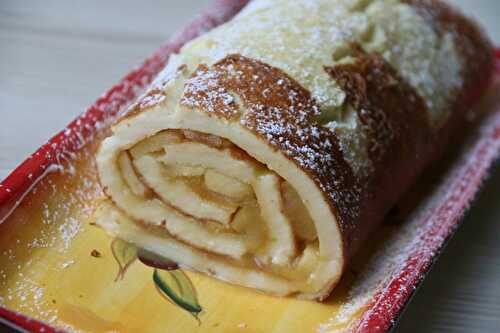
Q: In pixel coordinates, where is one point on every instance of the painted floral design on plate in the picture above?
(170, 281)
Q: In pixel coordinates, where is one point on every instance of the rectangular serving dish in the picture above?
(57, 271)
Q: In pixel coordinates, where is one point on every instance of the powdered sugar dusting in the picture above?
(69, 230)
(151, 100)
(66, 264)
(206, 90)
(31, 295)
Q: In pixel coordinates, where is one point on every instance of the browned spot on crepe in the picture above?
(393, 114)
(395, 121)
(474, 47)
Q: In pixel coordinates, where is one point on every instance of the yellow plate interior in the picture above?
(47, 271)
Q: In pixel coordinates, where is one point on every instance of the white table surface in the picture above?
(57, 57)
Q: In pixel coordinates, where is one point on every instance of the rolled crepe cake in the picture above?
(269, 148)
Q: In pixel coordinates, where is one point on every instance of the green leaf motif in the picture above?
(125, 254)
(178, 289)
(172, 283)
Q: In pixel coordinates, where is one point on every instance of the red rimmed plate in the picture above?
(58, 268)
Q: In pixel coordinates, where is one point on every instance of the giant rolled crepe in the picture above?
(269, 148)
